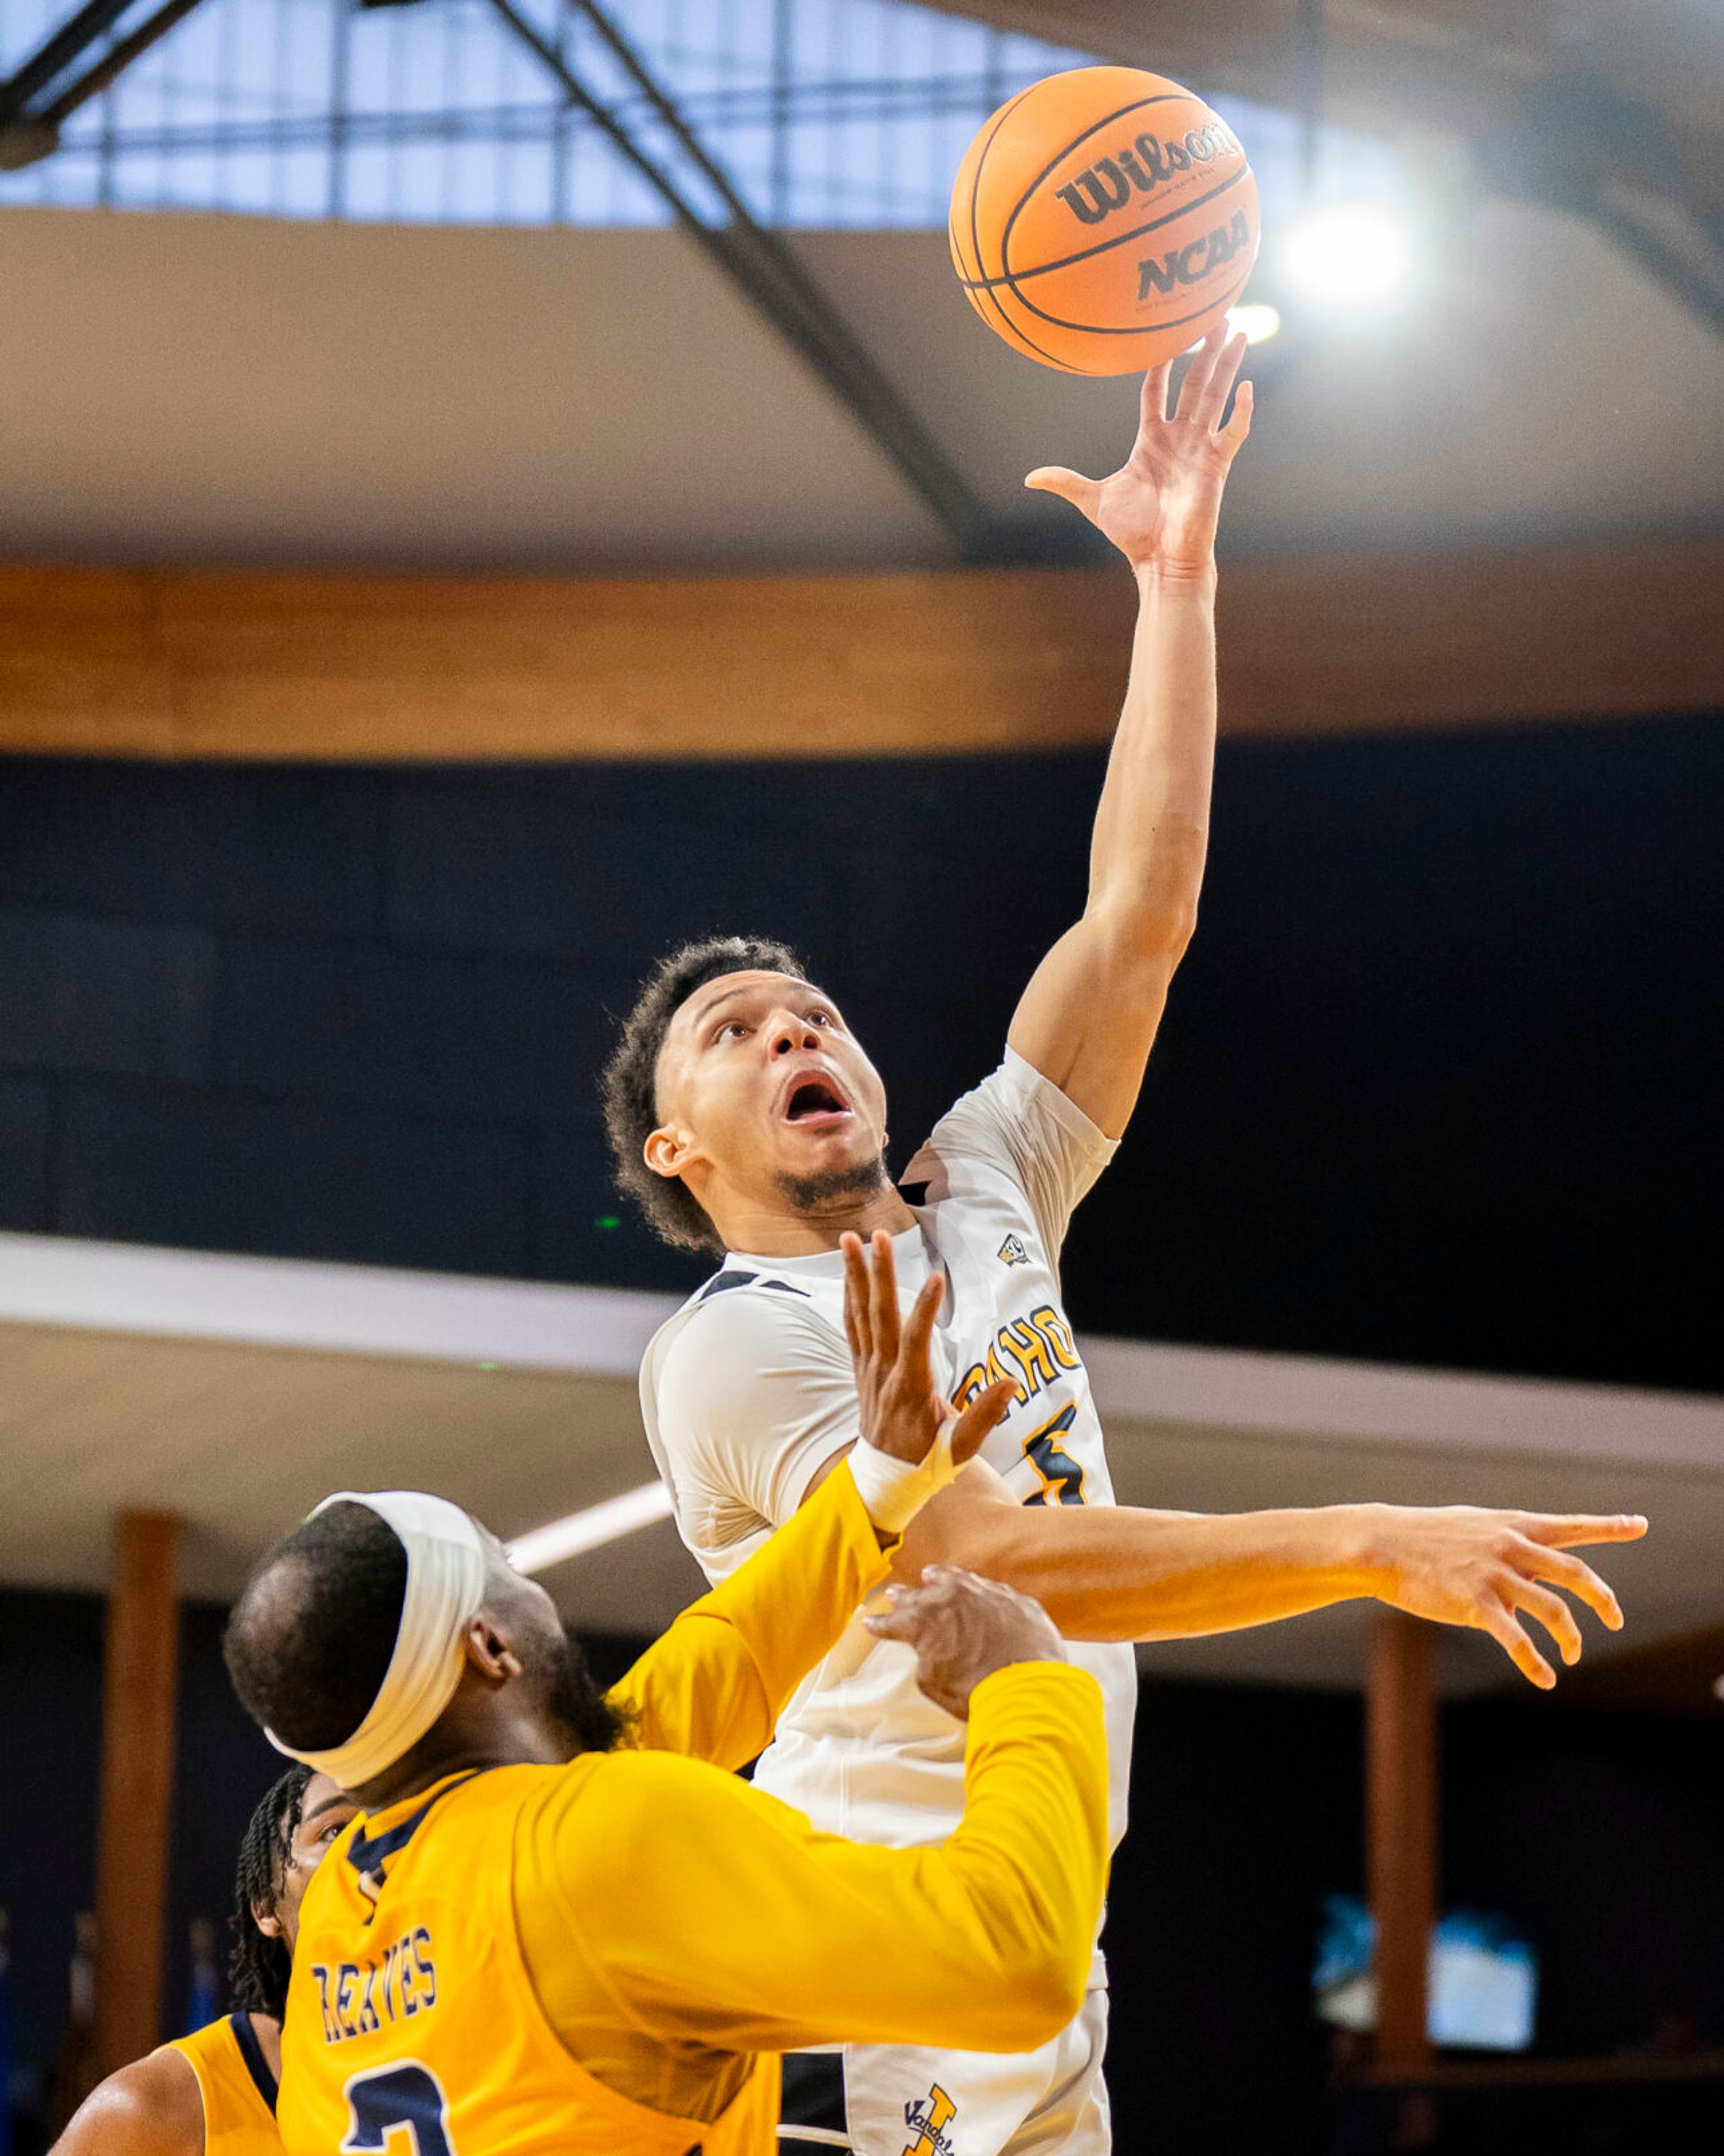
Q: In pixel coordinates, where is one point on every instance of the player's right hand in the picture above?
(963, 1627)
(902, 1413)
(1463, 1565)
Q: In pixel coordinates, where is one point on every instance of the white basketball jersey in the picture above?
(747, 1391)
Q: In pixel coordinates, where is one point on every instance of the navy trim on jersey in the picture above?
(369, 1854)
(721, 1281)
(252, 2051)
(813, 2096)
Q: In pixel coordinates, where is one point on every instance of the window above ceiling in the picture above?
(821, 113)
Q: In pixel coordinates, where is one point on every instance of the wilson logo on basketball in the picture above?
(1185, 265)
(1109, 183)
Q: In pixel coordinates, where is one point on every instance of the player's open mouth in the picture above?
(815, 1101)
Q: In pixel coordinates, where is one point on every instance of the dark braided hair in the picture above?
(258, 1967)
(630, 1088)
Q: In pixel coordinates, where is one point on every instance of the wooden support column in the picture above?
(139, 1697)
(1400, 1827)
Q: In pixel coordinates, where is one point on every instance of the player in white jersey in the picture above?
(746, 1119)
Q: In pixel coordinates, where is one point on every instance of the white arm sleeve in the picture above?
(753, 1396)
(1019, 1124)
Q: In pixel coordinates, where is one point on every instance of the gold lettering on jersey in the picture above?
(1032, 1355)
(1039, 1346)
(928, 2119)
(358, 1997)
(1054, 1330)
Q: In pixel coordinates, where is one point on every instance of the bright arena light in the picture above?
(1255, 321)
(1351, 255)
(549, 1545)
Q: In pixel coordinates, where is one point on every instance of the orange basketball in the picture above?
(1103, 220)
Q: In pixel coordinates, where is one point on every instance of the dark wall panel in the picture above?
(1437, 1082)
(24, 1110)
(292, 1177)
(224, 845)
(80, 994)
(431, 1032)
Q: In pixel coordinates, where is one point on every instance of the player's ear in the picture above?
(489, 1652)
(266, 1920)
(666, 1150)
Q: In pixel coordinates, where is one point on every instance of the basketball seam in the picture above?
(1013, 277)
(1029, 343)
(999, 120)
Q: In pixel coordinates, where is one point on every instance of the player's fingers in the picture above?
(1231, 436)
(986, 1412)
(856, 1326)
(1551, 1611)
(1534, 1562)
(1152, 399)
(1211, 400)
(883, 1297)
(902, 1621)
(1500, 1624)
(909, 1611)
(918, 1333)
(1199, 371)
(1565, 1531)
(1069, 485)
(1199, 364)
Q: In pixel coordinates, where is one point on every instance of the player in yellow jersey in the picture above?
(212, 2093)
(541, 1937)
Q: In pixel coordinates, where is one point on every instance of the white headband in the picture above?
(445, 1586)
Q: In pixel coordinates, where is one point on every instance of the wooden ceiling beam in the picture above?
(239, 664)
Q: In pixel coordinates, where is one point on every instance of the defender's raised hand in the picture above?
(1160, 507)
(1461, 1564)
(902, 1413)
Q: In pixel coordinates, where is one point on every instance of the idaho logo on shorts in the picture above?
(928, 2117)
(1012, 1251)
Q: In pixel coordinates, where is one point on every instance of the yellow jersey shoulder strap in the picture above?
(238, 2088)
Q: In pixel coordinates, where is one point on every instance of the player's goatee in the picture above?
(808, 1193)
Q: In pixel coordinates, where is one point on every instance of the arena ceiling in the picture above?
(224, 390)
(1459, 67)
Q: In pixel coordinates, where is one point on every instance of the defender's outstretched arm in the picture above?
(1089, 1016)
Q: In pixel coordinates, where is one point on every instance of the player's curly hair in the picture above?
(631, 1103)
(258, 1966)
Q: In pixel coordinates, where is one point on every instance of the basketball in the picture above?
(1103, 220)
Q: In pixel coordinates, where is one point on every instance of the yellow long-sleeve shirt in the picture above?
(713, 1686)
(656, 1925)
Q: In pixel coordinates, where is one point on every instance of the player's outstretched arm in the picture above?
(1117, 1572)
(715, 1685)
(152, 2108)
(1089, 1016)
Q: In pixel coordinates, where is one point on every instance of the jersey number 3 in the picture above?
(407, 2098)
(1062, 1476)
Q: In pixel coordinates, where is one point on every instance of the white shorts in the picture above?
(882, 2100)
